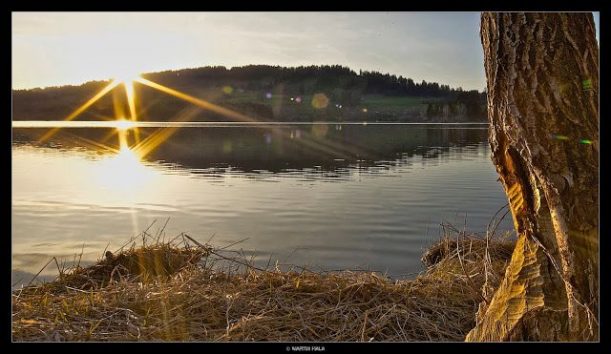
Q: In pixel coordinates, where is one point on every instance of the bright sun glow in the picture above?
(123, 124)
(123, 172)
(127, 157)
(127, 76)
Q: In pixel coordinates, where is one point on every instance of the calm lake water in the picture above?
(325, 196)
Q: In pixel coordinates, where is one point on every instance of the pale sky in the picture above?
(51, 49)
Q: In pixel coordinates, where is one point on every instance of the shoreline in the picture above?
(193, 292)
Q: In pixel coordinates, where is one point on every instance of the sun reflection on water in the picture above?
(124, 172)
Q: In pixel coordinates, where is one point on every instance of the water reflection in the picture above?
(360, 196)
(317, 147)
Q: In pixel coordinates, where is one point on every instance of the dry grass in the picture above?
(168, 292)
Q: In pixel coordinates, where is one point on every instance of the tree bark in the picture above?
(542, 73)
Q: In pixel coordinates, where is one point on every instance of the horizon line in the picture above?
(161, 71)
(161, 124)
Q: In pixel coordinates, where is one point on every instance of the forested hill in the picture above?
(266, 93)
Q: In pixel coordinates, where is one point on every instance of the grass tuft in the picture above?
(169, 292)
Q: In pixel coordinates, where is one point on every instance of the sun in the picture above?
(126, 75)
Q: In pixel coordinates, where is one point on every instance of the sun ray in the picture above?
(123, 145)
(108, 136)
(117, 104)
(81, 109)
(131, 102)
(230, 113)
(151, 142)
(92, 144)
(331, 147)
(308, 142)
(198, 102)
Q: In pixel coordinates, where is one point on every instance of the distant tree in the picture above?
(345, 84)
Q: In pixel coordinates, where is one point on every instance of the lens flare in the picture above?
(320, 100)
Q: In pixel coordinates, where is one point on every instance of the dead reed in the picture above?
(177, 292)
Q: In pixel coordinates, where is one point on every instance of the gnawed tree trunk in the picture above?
(542, 72)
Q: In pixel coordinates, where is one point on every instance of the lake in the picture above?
(324, 196)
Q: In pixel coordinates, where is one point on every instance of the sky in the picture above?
(52, 49)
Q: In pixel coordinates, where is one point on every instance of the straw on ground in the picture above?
(169, 292)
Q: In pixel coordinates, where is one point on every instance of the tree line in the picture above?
(340, 84)
(308, 79)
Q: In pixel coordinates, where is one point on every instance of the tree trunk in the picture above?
(542, 72)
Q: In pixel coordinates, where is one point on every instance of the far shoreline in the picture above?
(21, 124)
